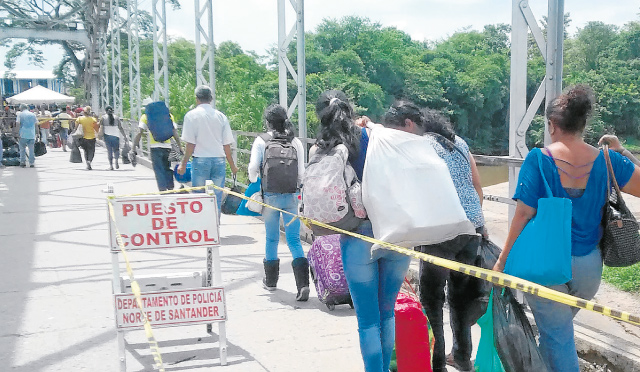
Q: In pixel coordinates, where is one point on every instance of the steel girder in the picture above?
(160, 53)
(521, 115)
(116, 61)
(204, 15)
(134, 60)
(285, 67)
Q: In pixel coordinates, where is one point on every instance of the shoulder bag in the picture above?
(542, 251)
(620, 243)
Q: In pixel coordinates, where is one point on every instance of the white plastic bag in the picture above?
(252, 205)
(408, 192)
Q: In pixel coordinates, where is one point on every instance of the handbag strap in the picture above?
(544, 179)
(611, 177)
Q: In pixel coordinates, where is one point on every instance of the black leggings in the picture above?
(89, 147)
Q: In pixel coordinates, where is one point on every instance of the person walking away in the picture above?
(208, 138)
(271, 160)
(159, 151)
(374, 281)
(45, 125)
(88, 140)
(111, 127)
(26, 122)
(64, 118)
(577, 171)
(464, 249)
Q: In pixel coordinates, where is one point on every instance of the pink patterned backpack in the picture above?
(331, 192)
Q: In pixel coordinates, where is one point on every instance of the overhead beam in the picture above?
(79, 36)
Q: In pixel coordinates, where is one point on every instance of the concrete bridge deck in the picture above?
(56, 303)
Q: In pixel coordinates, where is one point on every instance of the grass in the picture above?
(632, 144)
(624, 278)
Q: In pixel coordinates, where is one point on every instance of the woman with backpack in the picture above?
(461, 288)
(111, 128)
(374, 282)
(276, 158)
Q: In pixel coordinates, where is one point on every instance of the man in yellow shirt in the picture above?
(88, 141)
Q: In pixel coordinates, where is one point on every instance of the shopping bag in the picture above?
(231, 202)
(512, 335)
(487, 359)
(251, 189)
(414, 339)
(39, 148)
(125, 153)
(542, 251)
(75, 156)
(488, 253)
(408, 192)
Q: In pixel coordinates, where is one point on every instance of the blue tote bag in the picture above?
(542, 252)
(242, 209)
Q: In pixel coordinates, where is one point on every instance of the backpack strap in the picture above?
(266, 137)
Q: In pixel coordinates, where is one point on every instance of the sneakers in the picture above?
(31, 166)
(117, 165)
(465, 367)
(89, 166)
(23, 165)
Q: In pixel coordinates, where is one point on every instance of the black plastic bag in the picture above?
(512, 335)
(75, 156)
(39, 148)
(126, 149)
(488, 253)
(232, 202)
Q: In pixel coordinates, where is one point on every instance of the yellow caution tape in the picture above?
(135, 289)
(495, 277)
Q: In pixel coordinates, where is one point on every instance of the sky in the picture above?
(253, 23)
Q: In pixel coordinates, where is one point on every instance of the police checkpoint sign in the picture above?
(171, 308)
(165, 221)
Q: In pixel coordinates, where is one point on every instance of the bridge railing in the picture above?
(243, 141)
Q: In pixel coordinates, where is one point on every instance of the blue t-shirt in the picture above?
(358, 163)
(28, 122)
(460, 170)
(586, 228)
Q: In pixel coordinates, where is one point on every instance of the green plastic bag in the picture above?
(487, 359)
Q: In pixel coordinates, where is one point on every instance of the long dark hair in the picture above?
(435, 122)
(112, 120)
(276, 118)
(400, 111)
(337, 123)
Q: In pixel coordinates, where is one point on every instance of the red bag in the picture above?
(413, 349)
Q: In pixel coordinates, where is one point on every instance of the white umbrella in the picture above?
(39, 95)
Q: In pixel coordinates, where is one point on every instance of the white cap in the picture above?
(146, 101)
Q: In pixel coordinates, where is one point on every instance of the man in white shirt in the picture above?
(207, 134)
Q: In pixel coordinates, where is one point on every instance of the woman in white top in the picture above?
(110, 125)
(280, 172)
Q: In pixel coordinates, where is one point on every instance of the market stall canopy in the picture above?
(39, 95)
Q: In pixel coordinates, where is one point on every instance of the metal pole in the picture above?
(555, 38)
(134, 60)
(209, 54)
(104, 72)
(302, 78)
(282, 55)
(116, 62)
(160, 56)
(518, 89)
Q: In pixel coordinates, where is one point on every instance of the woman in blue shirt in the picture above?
(574, 170)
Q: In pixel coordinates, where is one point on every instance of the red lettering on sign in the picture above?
(156, 209)
(172, 223)
(182, 205)
(142, 212)
(126, 208)
(196, 207)
(181, 235)
(195, 236)
(206, 237)
(137, 240)
(157, 223)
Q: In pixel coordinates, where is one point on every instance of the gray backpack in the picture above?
(279, 173)
(331, 192)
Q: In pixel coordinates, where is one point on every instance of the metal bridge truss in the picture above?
(116, 62)
(204, 16)
(133, 25)
(521, 115)
(285, 67)
(160, 51)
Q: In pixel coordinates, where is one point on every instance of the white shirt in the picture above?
(208, 129)
(110, 130)
(257, 158)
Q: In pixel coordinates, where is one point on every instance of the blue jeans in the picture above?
(161, 168)
(555, 321)
(22, 144)
(289, 203)
(113, 151)
(374, 283)
(214, 169)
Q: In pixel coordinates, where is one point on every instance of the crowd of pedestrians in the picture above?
(570, 167)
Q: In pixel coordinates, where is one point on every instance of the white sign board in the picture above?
(166, 221)
(171, 308)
